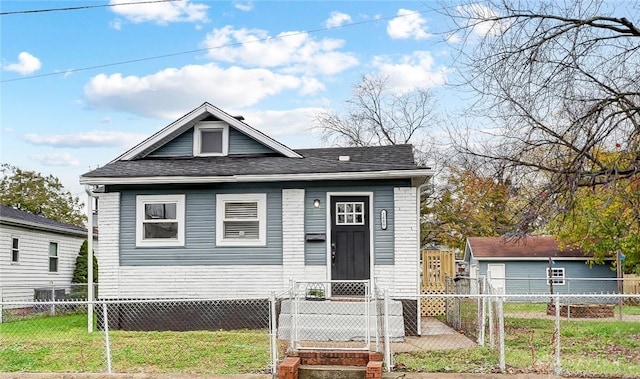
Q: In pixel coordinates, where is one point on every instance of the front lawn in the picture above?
(62, 344)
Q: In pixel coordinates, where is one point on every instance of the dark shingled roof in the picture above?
(16, 216)
(362, 159)
(526, 247)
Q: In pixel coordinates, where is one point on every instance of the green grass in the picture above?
(62, 344)
(601, 348)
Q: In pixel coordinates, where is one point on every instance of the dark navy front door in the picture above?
(350, 247)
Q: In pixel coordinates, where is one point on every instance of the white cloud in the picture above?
(408, 25)
(479, 17)
(116, 24)
(167, 93)
(96, 138)
(337, 19)
(413, 71)
(293, 52)
(282, 123)
(27, 64)
(56, 159)
(245, 7)
(106, 120)
(7, 130)
(162, 12)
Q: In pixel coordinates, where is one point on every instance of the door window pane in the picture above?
(350, 213)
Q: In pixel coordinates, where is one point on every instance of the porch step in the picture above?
(331, 372)
(337, 320)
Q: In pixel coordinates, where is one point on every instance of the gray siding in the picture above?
(525, 277)
(316, 222)
(241, 144)
(181, 146)
(200, 234)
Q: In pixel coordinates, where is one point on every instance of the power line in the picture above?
(82, 7)
(311, 31)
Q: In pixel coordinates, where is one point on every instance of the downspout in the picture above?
(90, 287)
(419, 250)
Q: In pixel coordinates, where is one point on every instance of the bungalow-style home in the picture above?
(37, 253)
(211, 207)
(534, 265)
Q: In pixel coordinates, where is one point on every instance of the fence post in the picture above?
(503, 364)
(274, 342)
(557, 368)
(53, 298)
(387, 345)
(107, 344)
(293, 303)
(482, 303)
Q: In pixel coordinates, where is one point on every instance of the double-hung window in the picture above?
(555, 276)
(53, 257)
(210, 139)
(15, 250)
(160, 220)
(241, 219)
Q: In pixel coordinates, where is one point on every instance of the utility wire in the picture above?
(82, 7)
(311, 31)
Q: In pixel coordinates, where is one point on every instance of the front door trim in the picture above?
(371, 235)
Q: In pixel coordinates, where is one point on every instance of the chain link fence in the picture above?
(480, 330)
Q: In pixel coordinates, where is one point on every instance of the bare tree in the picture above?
(558, 95)
(377, 115)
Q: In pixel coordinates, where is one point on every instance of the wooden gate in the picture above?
(437, 266)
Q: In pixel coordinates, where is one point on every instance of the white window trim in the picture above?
(12, 250)
(210, 125)
(141, 200)
(557, 280)
(261, 199)
(57, 257)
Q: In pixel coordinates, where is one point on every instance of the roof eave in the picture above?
(41, 227)
(388, 174)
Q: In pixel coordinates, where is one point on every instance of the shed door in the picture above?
(496, 275)
(349, 242)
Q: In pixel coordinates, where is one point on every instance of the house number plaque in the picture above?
(383, 219)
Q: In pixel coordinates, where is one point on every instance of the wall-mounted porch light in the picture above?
(316, 203)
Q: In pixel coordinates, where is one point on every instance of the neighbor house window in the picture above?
(555, 276)
(211, 139)
(160, 220)
(53, 257)
(241, 219)
(15, 250)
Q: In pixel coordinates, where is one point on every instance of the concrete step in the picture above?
(337, 320)
(331, 372)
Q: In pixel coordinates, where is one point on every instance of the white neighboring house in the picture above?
(36, 252)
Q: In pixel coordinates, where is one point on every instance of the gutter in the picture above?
(90, 286)
(389, 174)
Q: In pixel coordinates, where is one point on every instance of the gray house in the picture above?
(37, 252)
(534, 265)
(210, 207)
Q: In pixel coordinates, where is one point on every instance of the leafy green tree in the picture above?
(605, 219)
(469, 204)
(32, 192)
(80, 274)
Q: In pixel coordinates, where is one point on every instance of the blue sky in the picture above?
(67, 107)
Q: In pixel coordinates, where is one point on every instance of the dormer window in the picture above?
(211, 139)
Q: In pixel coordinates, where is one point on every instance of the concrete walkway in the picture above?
(435, 336)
